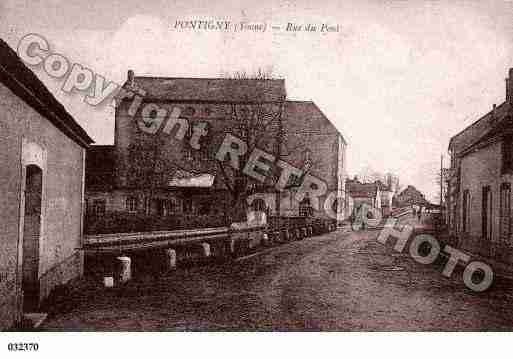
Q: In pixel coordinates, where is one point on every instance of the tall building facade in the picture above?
(481, 175)
(170, 158)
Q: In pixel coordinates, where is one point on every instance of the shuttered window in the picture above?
(131, 204)
(466, 210)
(505, 211)
(507, 155)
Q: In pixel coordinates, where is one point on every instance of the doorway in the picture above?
(31, 236)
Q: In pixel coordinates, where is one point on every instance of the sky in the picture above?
(398, 79)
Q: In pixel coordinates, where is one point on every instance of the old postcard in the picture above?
(271, 166)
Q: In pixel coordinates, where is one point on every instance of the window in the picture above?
(187, 205)
(258, 205)
(204, 142)
(507, 154)
(171, 206)
(188, 152)
(305, 209)
(466, 210)
(98, 208)
(486, 213)
(505, 212)
(204, 206)
(131, 204)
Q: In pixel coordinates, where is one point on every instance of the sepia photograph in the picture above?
(294, 167)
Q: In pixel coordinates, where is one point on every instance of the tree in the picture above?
(253, 107)
(256, 116)
(369, 175)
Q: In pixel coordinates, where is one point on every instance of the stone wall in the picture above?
(28, 138)
(479, 169)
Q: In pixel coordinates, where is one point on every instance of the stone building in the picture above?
(166, 166)
(386, 196)
(479, 190)
(41, 180)
(410, 196)
(364, 193)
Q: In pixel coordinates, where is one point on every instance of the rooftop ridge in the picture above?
(478, 120)
(205, 78)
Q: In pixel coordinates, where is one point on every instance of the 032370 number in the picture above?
(23, 347)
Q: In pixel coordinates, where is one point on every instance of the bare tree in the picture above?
(255, 105)
(256, 114)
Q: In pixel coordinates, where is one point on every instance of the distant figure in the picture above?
(420, 214)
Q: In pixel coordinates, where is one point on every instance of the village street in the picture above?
(338, 281)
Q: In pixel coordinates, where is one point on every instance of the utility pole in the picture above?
(441, 180)
(280, 141)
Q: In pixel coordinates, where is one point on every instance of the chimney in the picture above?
(130, 77)
(509, 87)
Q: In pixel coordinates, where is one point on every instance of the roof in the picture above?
(235, 90)
(183, 178)
(411, 195)
(210, 89)
(25, 84)
(357, 189)
(410, 189)
(498, 128)
(307, 115)
(478, 129)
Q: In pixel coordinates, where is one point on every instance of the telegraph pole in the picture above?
(442, 214)
(441, 180)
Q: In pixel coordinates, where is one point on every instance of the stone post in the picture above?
(171, 258)
(266, 239)
(277, 237)
(124, 269)
(206, 249)
(108, 282)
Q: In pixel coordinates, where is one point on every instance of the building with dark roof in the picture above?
(363, 193)
(479, 191)
(160, 174)
(206, 90)
(410, 196)
(42, 180)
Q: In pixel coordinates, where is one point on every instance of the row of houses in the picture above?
(380, 195)
(478, 201)
(56, 185)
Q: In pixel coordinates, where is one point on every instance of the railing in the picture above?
(122, 242)
(276, 223)
(287, 227)
(399, 212)
(125, 222)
